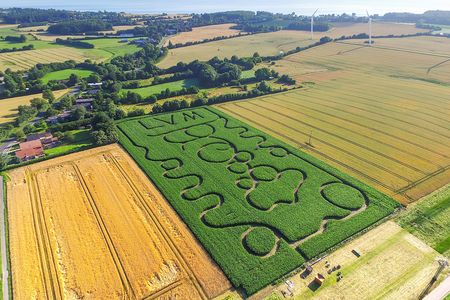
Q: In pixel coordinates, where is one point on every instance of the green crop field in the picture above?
(158, 88)
(65, 74)
(429, 220)
(113, 47)
(259, 206)
(48, 52)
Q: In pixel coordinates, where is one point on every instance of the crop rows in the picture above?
(260, 207)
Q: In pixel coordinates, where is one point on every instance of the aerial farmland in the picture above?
(226, 155)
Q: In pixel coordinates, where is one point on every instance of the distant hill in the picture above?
(431, 17)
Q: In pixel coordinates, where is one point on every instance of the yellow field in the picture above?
(26, 59)
(8, 107)
(274, 42)
(340, 29)
(204, 32)
(368, 115)
(393, 265)
(91, 226)
(264, 43)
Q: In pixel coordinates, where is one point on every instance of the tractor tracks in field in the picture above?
(387, 170)
(126, 284)
(49, 270)
(161, 230)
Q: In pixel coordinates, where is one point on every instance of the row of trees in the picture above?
(16, 39)
(79, 27)
(38, 16)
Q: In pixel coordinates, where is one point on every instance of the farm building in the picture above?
(62, 116)
(319, 279)
(87, 103)
(30, 150)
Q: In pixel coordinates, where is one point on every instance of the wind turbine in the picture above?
(312, 24)
(370, 28)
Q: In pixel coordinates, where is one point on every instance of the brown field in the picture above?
(393, 265)
(92, 226)
(374, 113)
(201, 33)
(8, 107)
(273, 42)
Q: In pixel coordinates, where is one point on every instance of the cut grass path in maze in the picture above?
(259, 206)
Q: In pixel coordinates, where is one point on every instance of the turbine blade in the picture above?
(315, 12)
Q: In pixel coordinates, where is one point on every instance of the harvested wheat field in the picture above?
(264, 43)
(90, 225)
(378, 29)
(204, 32)
(8, 106)
(393, 264)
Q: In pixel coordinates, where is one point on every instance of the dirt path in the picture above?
(440, 292)
(5, 274)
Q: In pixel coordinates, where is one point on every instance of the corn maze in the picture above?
(260, 207)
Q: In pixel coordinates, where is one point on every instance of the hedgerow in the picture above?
(229, 181)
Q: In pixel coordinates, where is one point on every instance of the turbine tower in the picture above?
(312, 24)
(370, 28)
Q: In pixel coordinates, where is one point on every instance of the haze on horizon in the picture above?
(198, 6)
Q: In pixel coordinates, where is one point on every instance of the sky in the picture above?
(197, 6)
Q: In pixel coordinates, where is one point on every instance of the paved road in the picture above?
(3, 244)
(440, 291)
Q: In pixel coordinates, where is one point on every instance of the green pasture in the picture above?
(429, 220)
(156, 89)
(112, 47)
(65, 74)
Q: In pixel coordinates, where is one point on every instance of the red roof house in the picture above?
(29, 150)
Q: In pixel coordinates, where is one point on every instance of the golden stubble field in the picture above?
(8, 106)
(273, 42)
(92, 226)
(374, 113)
(203, 32)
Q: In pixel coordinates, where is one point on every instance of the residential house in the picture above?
(30, 150)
